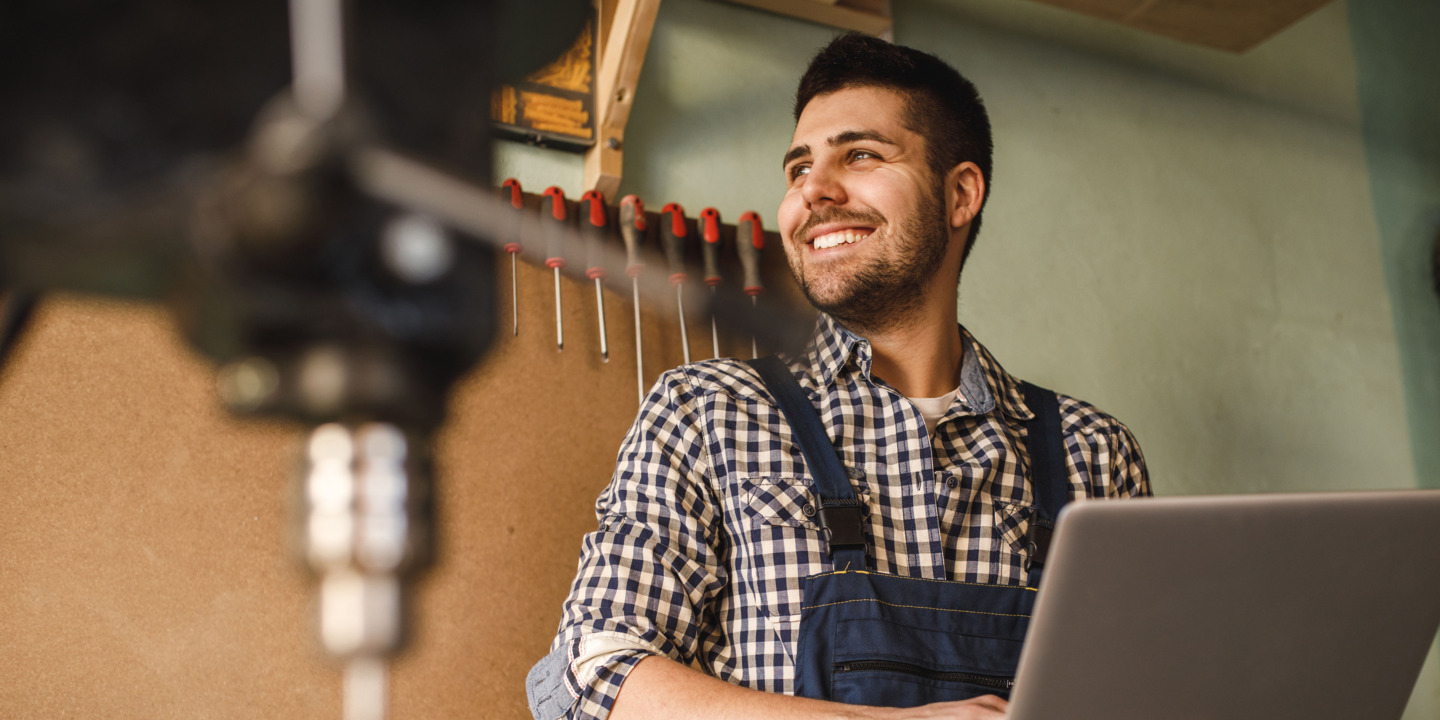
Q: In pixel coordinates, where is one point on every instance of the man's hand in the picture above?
(661, 689)
(985, 707)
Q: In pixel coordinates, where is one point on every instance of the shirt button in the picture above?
(952, 482)
(809, 510)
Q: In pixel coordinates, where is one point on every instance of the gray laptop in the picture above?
(1304, 606)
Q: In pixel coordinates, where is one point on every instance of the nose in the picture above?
(824, 184)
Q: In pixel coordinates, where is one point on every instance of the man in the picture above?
(689, 596)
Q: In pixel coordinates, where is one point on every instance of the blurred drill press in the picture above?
(169, 150)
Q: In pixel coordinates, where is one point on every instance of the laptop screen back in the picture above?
(1263, 606)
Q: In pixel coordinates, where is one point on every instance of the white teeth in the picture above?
(838, 238)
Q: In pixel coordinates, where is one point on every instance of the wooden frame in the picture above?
(624, 37)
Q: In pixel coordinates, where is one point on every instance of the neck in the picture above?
(920, 358)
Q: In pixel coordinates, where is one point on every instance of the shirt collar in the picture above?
(833, 348)
(983, 382)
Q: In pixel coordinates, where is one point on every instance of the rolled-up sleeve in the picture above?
(648, 573)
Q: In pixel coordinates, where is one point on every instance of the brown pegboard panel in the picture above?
(144, 565)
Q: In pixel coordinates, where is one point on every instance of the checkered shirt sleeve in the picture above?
(654, 563)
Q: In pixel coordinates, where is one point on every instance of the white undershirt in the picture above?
(932, 409)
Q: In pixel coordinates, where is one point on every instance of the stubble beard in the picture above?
(884, 294)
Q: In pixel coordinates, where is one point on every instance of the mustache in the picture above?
(828, 215)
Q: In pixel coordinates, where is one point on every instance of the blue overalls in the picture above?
(874, 639)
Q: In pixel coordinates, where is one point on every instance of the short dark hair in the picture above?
(942, 106)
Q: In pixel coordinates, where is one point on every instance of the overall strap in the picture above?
(1049, 481)
(840, 518)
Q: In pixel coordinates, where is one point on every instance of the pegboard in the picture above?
(145, 570)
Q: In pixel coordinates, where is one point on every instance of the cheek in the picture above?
(889, 200)
(791, 214)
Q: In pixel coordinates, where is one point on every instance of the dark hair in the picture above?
(942, 106)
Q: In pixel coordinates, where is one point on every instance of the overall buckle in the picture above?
(842, 523)
(1037, 544)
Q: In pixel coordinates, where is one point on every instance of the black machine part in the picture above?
(149, 149)
(153, 149)
(313, 205)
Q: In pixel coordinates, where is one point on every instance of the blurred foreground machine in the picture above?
(306, 187)
(237, 161)
(272, 174)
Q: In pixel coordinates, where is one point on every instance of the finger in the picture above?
(991, 702)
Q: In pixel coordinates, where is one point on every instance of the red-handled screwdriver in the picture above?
(553, 217)
(750, 242)
(673, 235)
(710, 250)
(593, 227)
(510, 192)
(632, 231)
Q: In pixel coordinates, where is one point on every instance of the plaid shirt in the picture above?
(708, 525)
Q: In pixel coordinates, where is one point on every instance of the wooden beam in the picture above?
(871, 17)
(622, 54)
(1233, 25)
(605, 163)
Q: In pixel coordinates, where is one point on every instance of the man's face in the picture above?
(862, 218)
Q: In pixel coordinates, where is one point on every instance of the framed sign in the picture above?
(555, 105)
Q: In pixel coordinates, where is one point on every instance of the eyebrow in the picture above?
(844, 138)
(795, 153)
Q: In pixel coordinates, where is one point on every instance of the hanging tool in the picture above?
(710, 250)
(553, 217)
(593, 227)
(510, 192)
(632, 230)
(750, 242)
(673, 235)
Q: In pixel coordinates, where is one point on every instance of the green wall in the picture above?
(1183, 237)
(1397, 55)
(1198, 261)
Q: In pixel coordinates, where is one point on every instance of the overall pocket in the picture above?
(881, 661)
(902, 685)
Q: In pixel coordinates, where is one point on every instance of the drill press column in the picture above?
(365, 528)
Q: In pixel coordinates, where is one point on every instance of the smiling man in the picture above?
(856, 531)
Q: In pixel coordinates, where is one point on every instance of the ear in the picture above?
(964, 194)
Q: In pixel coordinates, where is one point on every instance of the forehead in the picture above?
(854, 108)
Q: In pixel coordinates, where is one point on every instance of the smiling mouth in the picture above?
(848, 236)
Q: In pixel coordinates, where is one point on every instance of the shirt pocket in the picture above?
(782, 547)
(1012, 522)
(786, 501)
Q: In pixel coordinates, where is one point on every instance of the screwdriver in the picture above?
(750, 242)
(552, 205)
(710, 233)
(510, 191)
(632, 230)
(672, 237)
(593, 224)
